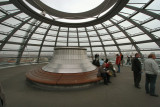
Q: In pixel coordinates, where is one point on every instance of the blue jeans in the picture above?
(118, 68)
(150, 83)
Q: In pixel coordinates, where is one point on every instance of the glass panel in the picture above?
(152, 24)
(21, 33)
(154, 6)
(73, 40)
(126, 40)
(103, 31)
(84, 44)
(112, 29)
(111, 48)
(64, 34)
(22, 16)
(50, 38)
(37, 36)
(94, 39)
(2, 36)
(83, 39)
(32, 48)
(126, 24)
(11, 47)
(47, 49)
(82, 34)
(72, 44)
(136, 1)
(5, 29)
(48, 43)
(60, 39)
(71, 34)
(96, 43)
(106, 37)
(140, 17)
(141, 38)
(108, 42)
(9, 7)
(12, 21)
(117, 18)
(34, 42)
(15, 39)
(118, 35)
(61, 44)
(157, 34)
(148, 45)
(108, 23)
(134, 31)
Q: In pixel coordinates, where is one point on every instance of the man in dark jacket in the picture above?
(136, 68)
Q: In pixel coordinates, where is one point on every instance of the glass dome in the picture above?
(28, 38)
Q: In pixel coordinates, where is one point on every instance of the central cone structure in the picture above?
(69, 60)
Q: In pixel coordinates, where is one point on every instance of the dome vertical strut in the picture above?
(43, 42)
(25, 42)
(131, 40)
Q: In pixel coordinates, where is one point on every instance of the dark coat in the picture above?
(136, 65)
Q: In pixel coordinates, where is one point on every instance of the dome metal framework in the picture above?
(25, 37)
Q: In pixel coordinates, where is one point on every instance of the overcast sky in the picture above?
(73, 6)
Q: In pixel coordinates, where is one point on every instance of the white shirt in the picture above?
(151, 67)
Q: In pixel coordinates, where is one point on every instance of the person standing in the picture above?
(121, 59)
(137, 70)
(151, 69)
(118, 62)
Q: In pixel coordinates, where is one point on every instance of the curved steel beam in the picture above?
(89, 42)
(43, 42)
(144, 11)
(13, 31)
(131, 40)
(115, 42)
(25, 43)
(9, 16)
(100, 41)
(142, 28)
(55, 44)
(78, 37)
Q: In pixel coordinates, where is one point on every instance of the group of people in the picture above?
(105, 69)
(151, 69)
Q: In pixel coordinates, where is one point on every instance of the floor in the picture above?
(120, 93)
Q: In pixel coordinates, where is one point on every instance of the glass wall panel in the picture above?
(61, 44)
(11, 47)
(5, 29)
(152, 24)
(157, 34)
(72, 44)
(141, 38)
(108, 42)
(15, 39)
(2, 36)
(134, 31)
(84, 44)
(148, 45)
(96, 43)
(126, 40)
